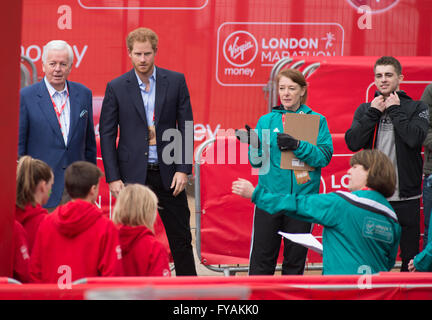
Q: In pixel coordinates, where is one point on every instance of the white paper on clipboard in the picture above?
(305, 239)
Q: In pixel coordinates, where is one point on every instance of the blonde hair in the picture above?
(136, 206)
(28, 175)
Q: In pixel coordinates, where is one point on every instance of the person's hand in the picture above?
(243, 188)
(115, 187)
(286, 142)
(411, 267)
(179, 182)
(378, 103)
(249, 136)
(392, 99)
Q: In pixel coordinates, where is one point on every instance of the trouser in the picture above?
(427, 206)
(175, 215)
(266, 244)
(408, 214)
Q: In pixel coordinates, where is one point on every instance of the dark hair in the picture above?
(297, 77)
(28, 175)
(80, 176)
(142, 35)
(381, 175)
(389, 61)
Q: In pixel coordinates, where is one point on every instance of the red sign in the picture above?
(247, 51)
(227, 49)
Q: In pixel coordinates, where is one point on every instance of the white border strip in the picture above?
(371, 203)
(353, 286)
(143, 8)
(373, 11)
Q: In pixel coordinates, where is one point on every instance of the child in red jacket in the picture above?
(76, 240)
(135, 214)
(21, 257)
(34, 179)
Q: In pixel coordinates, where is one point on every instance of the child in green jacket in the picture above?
(361, 230)
(423, 261)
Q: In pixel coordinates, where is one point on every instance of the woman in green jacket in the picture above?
(267, 143)
(361, 230)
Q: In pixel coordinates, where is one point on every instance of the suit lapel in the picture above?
(134, 93)
(161, 91)
(46, 106)
(75, 109)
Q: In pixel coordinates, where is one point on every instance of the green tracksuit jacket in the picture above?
(423, 261)
(355, 239)
(268, 157)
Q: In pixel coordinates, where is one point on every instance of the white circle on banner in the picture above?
(376, 6)
(240, 48)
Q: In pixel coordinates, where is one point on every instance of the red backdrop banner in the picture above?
(227, 49)
(10, 30)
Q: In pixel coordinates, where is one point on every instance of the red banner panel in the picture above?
(227, 50)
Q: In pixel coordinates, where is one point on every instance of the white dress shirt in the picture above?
(59, 98)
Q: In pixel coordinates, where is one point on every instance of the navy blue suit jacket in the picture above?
(123, 108)
(40, 135)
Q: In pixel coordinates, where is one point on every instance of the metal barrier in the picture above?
(28, 77)
(215, 244)
(9, 280)
(226, 269)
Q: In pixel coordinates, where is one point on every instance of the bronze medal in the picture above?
(152, 135)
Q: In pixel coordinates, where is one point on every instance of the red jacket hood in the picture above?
(128, 236)
(75, 217)
(29, 212)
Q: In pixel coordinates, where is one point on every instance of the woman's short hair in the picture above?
(142, 35)
(58, 45)
(381, 175)
(297, 77)
(136, 205)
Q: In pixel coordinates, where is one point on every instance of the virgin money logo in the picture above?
(240, 48)
(247, 50)
(375, 5)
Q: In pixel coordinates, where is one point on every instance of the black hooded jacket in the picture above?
(410, 121)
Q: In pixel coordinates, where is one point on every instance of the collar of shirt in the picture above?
(151, 79)
(51, 89)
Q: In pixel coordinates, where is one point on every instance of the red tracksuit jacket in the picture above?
(143, 254)
(21, 257)
(73, 242)
(30, 218)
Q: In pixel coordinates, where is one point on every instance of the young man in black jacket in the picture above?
(427, 166)
(397, 125)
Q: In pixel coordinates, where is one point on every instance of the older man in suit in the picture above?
(56, 118)
(150, 105)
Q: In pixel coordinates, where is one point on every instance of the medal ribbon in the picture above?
(59, 112)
